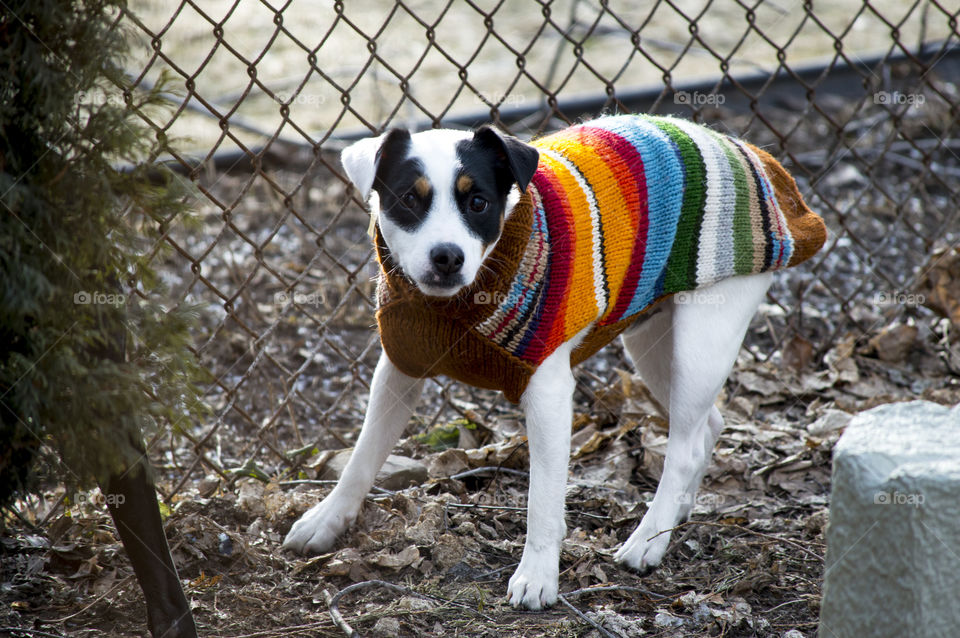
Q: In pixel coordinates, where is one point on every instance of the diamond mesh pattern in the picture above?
(859, 99)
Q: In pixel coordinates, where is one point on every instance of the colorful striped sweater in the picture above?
(622, 212)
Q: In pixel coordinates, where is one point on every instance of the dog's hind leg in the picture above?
(707, 328)
(649, 345)
(393, 396)
(132, 500)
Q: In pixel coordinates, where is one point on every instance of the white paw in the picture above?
(318, 529)
(535, 584)
(645, 547)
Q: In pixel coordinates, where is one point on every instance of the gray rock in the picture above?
(397, 472)
(893, 541)
(387, 626)
(250, 497)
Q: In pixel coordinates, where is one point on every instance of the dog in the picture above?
(505, 263)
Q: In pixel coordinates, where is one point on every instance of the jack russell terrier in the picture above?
(504, 264)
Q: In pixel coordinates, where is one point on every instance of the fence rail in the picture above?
(859, 99)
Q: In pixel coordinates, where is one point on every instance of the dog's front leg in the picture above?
(393, 395)
(548, 405)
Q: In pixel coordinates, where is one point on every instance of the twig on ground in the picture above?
(789, 602)
(779, 539)
(123, 583)
(585, 618)
(374, 490)
(489, 468)
(780, 463)
(335, 611)
(13, 631)
(623, 588)
(333, 602)
(285, 631)
(471, 506)
(674, 544)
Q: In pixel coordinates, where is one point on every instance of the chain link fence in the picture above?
(858, 99)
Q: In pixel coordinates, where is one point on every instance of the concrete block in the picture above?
(893, 542)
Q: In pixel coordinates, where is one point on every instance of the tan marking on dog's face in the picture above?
(422, 186)
(464, 184)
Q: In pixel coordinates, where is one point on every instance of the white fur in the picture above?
(360, 162)
(393, 396)
(684, 353)
(548, 406)
(684, 356)
(443, 222)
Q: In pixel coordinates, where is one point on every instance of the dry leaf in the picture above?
(448, 551)
(342, 562)
(894, 342)
(511, 453)
(406, 557)
(588, 440)
(762, 382)
(448, 463)
(839, 360)
(654, 449)
(250, 497)
(797, 353)
(939, 289)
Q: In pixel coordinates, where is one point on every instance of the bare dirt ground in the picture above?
(433, 550)
(749, 563)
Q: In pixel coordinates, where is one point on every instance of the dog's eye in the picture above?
(478, 204)
(409, 200)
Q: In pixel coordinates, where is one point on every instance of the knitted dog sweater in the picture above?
(621, 213)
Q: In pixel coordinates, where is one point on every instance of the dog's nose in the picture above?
(447, 258)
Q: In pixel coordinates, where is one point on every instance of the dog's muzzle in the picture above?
(447, 259)
(444, 277)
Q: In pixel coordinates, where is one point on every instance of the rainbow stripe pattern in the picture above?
(628, 210)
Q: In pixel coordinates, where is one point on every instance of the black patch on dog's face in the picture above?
(480, 189)
(405, 192)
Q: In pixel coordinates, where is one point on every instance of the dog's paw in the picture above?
(318, 529)
(535, 584)
(644, 549)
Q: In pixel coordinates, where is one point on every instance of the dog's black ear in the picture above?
(361, 158)
(520, 157)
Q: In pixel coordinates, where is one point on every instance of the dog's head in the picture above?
(443, 197)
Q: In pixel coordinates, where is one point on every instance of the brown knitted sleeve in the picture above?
(426, 336)
(807, 228)
(445, 346)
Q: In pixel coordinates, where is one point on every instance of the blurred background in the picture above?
(860, 100)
